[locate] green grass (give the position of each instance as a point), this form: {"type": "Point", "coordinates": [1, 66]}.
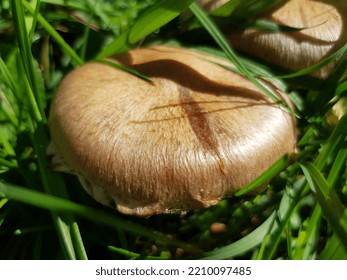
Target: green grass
{"type": "Point", "coordinates": [47, 215]}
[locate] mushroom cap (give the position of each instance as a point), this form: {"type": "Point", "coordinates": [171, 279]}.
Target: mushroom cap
{"type": "Point", "coordinates": [324, 32]}
{"type": "Point", "coordinates": [193, 136]}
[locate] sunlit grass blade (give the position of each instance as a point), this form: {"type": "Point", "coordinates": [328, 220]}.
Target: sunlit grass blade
{"type": "Point", "coordinates": [269, 26]}
{"type": "Point", "coordinates": [7, 109]}
{"type": "Point", "coordinates": [8, 164]}
{"type": "Point", "coordinates": [6, 146]}
{"type": "Point", "coordinates": [333, 144]}
{"type": "Point", "coordinates": [337, 167]}
{"type": "Point", "coordinates": [53, 184]}
{"type": "Point", "coordinates": [70, 237]}
{"type": "Point", "coordinates": [77, 241]}
{"type": "Point", "coordinates": [263, 179]}
{"type": "Point", "coordinates": [36, 101]}
{"type": "Point", "coordinates": [65, 236]}
{"type": "Point", "coordinates": [155, 17]}
{"type": "Point", "coordinates": [305, 247]}
{"type": "Point", "coordinates": [333, 250]}
{"type": "Point", "coordinates": [3, 201]}
{"type": "Point", "coordinates": [263, 245]}
{"type": "Point", "coordinates": [327, 91]}
{"type": "Point", "coordinates": [33, 25]}
{"type": "Point", "coordinates": [36, 126]}
{"type": "Point", "coordinates": [312, 230]}
{"type": "Point", "coordinates": [318, 65]}
{"type": "Point", "coordinates": [289, 201]}
{"type": "Point", "coordinates": [151, 20]}
{"type": "Point", "coordinates": [216, 34]}
{"type": "Point", "coordinates": [341, 88]}
{"type": "Point", "coordinates": [55, 35]}
{"type": "Point", "coordinates": [226, 9]}
{"type": "Point", "coordinates": [245, 244]}
{"type": "Point", "coordinates": [332, 207]}
{"type": "Point", "coordinates": [59, 205]}
{"type": "Point", "coordinates": [126, 69]}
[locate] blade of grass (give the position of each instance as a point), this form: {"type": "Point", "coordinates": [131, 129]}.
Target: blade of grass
{"type": "Point", "coordinates": [289, 242]}
{"type": "Point", "coordinates": [216, 34]}
{"type": "Point", "coordinates": [70, 236]}
{"type": "Point", "coordinates": [290, 201]}
{"type": "Point", "coordinates": [333, 145]}
{"type": "Point", "coordinates": [55, 35]}
{"type": "Point", "coordinates": [328, 90]}
{"type": "Point", "coordinates": [65, 237]}
{"type": "Point", "coordinates": [6, 145]}
{"type": "Point", "coordinates": [77, 241]}
{"type": "Point", "coordinates": [337, 167]}
{"type": "Point", "coordinates": [126, 69]}
{"type": "Point", "coordinates": [35, 101]}
{"type": "Point", "coordinates": [74, 5]}
{"type": "Point", "coordinates": [7, 76]}
{"type": "Point", "coordinates": [312, 231]}
{"type": "Point", "coordinates": [3, 201]}
{"type": "Point", "coordinates": [132, 255]}
{"type": "Point", "coordinates": [58, 204]}
{"type": "Point", "coordinates": [155, 17]}
{"type": "Point", "coordinates": [308, 237]}
{"type": "Point", "coordinates": [333, 250]}
{"type": "Point", "coordinates": [8, 164]}
{"type": "Point", "coordinates": [318, 65]}
{"type": "Point", "coordinates": [269, 26]}
{"type": "Point", "coordinates": [331, 206]}
{"type": "Point", "coordinates": [53, 184]}
{"type": "Point", "coordinates": [39, 137]}
{"type": "Point", "coordinates": [275, 169]}
{"type": "Point", "coordinates": [7, 109]}
{"type": "Point", "coordinates": [151, 20]}
{"type": "Point", "coordinates": [33, 25]}
{"type": "Point", "coordinates": [226, 9]}
{"type": "Point", "coordinates": [341, 88]}
{"type": "Point", "coordinates": [263, 246]}
{"type": "Point", "coordinates": [244, 244]}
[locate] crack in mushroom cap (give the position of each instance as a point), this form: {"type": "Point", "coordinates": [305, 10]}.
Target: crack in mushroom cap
{"type": "Point", "coordinates": [195, 135]}
{"type": "Point", "coordinates": [323, 24]}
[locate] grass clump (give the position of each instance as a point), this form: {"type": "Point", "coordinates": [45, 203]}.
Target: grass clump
{"type": "Point", "coordinates": [301, 215]}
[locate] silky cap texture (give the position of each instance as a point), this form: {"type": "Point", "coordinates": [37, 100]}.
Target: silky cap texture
{"type": "Point", "coordinates": [194, 135]}
{"type": "Point", "coordinates": [321, 31]}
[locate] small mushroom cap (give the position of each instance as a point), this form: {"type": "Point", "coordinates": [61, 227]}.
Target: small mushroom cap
{"type": "Point", "coordinates": [193, 136]}
{"type": "Point", "coordinates": [324, 31]}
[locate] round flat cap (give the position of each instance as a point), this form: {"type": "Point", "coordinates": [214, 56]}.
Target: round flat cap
{"type": "Point", "coordinates": [194, 135]}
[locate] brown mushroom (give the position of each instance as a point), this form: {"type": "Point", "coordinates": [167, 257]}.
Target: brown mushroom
{"type": "Point", "coordinates": [193, 136]}
{"type": "Point", "coordinates": [323, 24]}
